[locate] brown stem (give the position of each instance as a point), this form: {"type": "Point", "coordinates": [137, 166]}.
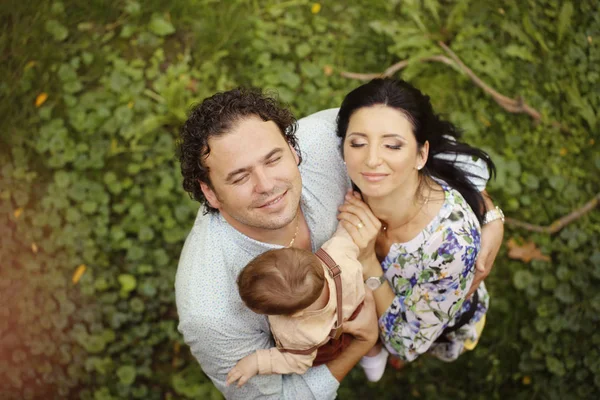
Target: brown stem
{"type": "Point", "coordinates": [393, 69]}
{"type": "Point", "coordinates": [511, 105]}
{"type": "Point", "coordinates": [559, 223]}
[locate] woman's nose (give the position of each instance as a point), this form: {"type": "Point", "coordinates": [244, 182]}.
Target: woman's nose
{"type": "Point", "coordinates": [373, 158]}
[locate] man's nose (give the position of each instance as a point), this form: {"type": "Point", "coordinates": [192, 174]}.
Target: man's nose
{"type": "Point", "coordinates": [263, 183]}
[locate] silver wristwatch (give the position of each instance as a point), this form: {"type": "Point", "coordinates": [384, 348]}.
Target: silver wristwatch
{"type": "Point", "coordinates": [374, 282]}
{"type": "Point", "coordinates": [493, 215]}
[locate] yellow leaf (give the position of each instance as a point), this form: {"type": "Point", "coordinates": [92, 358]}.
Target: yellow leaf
{"type": "Point", "coordinates": [78, 273]}
{"type": "Point", "coordinates": [501, 11]}
{"type": "Point", "coordinates": [41, 99]}
{"type": "Point", "coordinates": [30, 65]}
{"type": "Point", "coordinates": [316, 7]}
{"type": "Point", "coordinates": [589, 39]}
{"type": "Point", "coordinates": [563, 152]}
{"type": "Point", "coordinates": [130, 104]}
{"type": "Point", "coordinates": [113, 146]}
{"type": "Point", "coordinates": [18, 212]}
{"type": "Point", "coordinates": [328, 70]}
{"type": "Point", "coordinates": [34, 248]}
{"type": "Point", "coordinates": [526, 380]}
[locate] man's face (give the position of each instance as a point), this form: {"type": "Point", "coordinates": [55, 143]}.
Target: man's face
{"type": "Point", "coordinates": [254, 175]}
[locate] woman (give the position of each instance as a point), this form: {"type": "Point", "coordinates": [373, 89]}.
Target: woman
{"type": "Point", "coordinates": [419, 225]}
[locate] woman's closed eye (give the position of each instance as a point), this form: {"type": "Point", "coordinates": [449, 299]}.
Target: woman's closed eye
{"type": "Point", "coordinates": [393, 146]}
{"type": "Point", "coordinates": [357, 144]}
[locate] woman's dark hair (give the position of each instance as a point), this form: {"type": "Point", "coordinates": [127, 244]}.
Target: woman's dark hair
{"type": "Point", "coordinates": [216, 116]}
{"type": "Point", "coordinates": [427, 126]}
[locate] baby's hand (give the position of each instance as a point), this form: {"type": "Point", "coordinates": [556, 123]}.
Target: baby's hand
{"type": "Point", "coordinates": [245, 369]}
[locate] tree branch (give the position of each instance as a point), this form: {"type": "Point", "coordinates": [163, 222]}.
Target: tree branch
{"type": "Point", "coordinates": [394, 68]}
{"type": "Point", "coordinates": [511, 105]}
{"type": "Point", "coordinates": [559, 223]}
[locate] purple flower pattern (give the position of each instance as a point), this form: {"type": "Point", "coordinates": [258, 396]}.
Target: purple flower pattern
{"type": "Point", "coordinates": [431, 275]}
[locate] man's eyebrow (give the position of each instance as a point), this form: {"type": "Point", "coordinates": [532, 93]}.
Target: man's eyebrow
{"type": "Point", "coordinates": [238, 171]}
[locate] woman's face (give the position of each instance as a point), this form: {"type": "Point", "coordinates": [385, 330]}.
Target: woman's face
{"type": "Point", "coordinates": [381, 151]}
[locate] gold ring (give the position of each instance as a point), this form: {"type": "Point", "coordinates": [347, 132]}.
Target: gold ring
{"type": "Point", "coordinates": [360, 225]}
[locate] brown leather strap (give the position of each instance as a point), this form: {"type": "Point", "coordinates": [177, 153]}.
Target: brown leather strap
{"type": "Point", "coordinates": [335, 272]}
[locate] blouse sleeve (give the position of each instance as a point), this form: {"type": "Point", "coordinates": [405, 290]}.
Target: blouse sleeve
{"type": "Point", "coordinates": [427, 302]}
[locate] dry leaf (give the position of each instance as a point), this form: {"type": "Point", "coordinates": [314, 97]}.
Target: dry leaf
{"type": "Point", "coordinates": [563, 152]}
{"type": "Point", "coordinates": [18, 212]}
{"type": "Point", "coordinates": [78, 273]}
{"type": "Point", "coordinates": [525, 252]}
{"type": "Point", "coordinates": [34, 248]}
{"type": "Point", "coordinates": [41, 99]}
{"type": "Point", "coordinates": [328, 70]}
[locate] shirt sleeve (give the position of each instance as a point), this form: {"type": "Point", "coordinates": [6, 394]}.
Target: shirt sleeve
{"type": "Point", "coordinates": [218, 348]}
{"type": "Point", "coordinates": [475, 168]}
{"type": "Point", "coordinates": [273, 361]}
{"type": "Point", "coordinates": [427, 302]}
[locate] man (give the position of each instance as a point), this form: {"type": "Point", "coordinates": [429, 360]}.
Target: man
{"type": "Point", "coordinates": [262, 189]}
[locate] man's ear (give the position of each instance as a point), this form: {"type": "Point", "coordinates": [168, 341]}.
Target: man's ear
{"type": "Point", "coordinates": [295, 153]}
{"type": "Point", "coordinates": [210, 195]}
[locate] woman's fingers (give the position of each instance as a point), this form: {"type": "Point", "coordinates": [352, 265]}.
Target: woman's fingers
{"type": "Point", "coordinates": [351, 218]}
{"type": "Point", "coordinates": [362, 209]}
{"type": "Point", "coordinates": [356, 236]}
{"type": "Point", "coordinates": [360, 214]}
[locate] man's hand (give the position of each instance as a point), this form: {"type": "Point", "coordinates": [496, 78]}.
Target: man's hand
{"type": "Point", "coordinates": [245, 369]}
{"type": "Point", "coordinates": [364, 327]}
{"type": "Point", "coordinates": [491, 240]}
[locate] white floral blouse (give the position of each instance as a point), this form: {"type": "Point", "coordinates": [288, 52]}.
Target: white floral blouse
{"type": "Point", "coordinates": [431, 275]}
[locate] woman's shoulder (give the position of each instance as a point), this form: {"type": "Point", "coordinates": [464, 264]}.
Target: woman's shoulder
{"type": "Point", "coordinates": [456, 210]}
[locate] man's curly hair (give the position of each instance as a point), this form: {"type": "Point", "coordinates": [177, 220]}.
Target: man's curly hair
{"type": "Point", "coordinates": [216, 116]}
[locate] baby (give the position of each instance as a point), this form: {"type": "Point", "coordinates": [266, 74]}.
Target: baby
{"type": "Point", "coordinates": [301, 292]}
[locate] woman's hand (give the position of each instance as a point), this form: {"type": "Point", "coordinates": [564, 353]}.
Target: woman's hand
{"type": "Point", "coordinates": [362, 225]}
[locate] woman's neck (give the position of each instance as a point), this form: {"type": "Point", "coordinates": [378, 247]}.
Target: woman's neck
{"type": "Point", "coordinates": [397, 208]}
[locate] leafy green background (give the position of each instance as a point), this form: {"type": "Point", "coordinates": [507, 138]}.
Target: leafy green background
{"type": "Point", "coordinates": [88, 180]}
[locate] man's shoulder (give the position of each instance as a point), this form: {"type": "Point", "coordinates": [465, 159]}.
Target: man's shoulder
{"type": "Point", "coordinates": [201, 266]}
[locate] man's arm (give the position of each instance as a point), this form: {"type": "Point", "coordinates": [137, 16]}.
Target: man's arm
{"type": "Point", "coordinates": [365, 330]}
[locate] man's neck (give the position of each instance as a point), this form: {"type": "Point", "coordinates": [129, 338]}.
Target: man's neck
{"type": "Point", "coordinates": [282, 236]}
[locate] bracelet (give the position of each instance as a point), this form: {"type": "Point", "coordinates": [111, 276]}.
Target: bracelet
{"type": "Point", "coordinates": [493, 215]}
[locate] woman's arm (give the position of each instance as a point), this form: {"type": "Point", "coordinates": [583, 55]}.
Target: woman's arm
{"type": "Point", "coordinates": [491, 239]}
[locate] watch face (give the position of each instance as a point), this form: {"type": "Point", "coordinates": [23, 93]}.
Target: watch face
{"type": "Point", "coordinates": [373, 283]}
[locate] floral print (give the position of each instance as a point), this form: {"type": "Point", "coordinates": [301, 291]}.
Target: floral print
{"type": "Point", "coordinates": [431, 275]}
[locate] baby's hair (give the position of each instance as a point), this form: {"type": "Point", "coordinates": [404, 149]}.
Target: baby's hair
{"type": "Point", "coordinates": [282, 281]}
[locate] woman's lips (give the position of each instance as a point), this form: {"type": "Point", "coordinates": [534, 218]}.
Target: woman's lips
{"type": "Point", "coordinates": [373, 177]}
